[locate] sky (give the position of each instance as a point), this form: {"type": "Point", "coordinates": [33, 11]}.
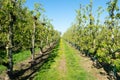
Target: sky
{"type": "Point", "coordinates": [62, 12]}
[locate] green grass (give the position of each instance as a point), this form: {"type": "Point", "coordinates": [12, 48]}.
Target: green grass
{"type": "Point", "coordinates": [2, 68]}
{"type": "Point", "coordinates": [45, 71]}
{"type": "Point", "coordinates": [74, 70]}
{"type": "Point", "coordinates": [37, 49]}
{"type": "Point", "coordinates": [2, 58]}
{"type": "Point", "coordinates": [23, 55]}
{"type": "Point", "coordinates": [18, 57]}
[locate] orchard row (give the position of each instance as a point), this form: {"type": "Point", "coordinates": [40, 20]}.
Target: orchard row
{"type": "Point", "coordinates": [23, 29]}
{"type": "Point", "coordinates": [96, 39]}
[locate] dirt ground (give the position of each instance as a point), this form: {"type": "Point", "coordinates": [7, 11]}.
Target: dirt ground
{"type": "Point", "coordinates": [88, 65]}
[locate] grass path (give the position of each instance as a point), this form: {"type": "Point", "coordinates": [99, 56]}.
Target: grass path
{"type": "Point", "coordinates": [65, 65]}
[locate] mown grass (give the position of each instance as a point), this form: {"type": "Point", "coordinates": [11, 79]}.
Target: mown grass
{"type": "Point", "coordinates": [23, 55]}
{"type": "Point", "coordinates": [50, 70]}
{"type": "Point", "coordinates": [2, 68]}
{"type": "Point", "coordinates": [2, 58]}
{"type": "Point", "coordinates": [46, 71]}
{"type": "Point", "coordinates": [75, 71]}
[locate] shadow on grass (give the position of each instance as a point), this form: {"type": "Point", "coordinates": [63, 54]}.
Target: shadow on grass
{"type": "Point", "coordinates": [41, 62]}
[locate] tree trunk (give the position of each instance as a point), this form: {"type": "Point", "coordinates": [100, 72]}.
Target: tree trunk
{"type": "Point", "coordinates": [94, 43]}
{"type": "Point", "coordinates": [47, 40]}
{"type": "Point", "coordinates": [41, 51]}
{"type": "Point", "coordinates": [33, 42]}
{"type": "Point", "coordinates": [9, 45]}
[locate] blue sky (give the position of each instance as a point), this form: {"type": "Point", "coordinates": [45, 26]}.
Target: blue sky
{"type": "Point", "coordinates": [62, 12]}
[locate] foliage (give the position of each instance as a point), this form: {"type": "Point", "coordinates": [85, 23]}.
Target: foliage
{"type": "Point", "coordinates": [94, 38]}
{"type": "Point", "coordinates": [16, 29]}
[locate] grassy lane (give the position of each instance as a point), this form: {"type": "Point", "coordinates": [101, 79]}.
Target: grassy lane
{"type": "Point", "coordinates": [75, 69]}
{"type": "Point", "coordinates": [65, 66]}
